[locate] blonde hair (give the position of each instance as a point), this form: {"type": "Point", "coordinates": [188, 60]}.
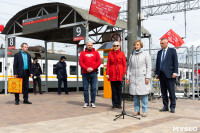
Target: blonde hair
{"type": "Point", "coordinates": [116, 42]}
{"type": "Point", "coordinates": [140, 42]}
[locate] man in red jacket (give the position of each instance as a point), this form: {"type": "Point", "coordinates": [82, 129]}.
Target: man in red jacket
{"type": "Point", "coordinates": [89, 61]}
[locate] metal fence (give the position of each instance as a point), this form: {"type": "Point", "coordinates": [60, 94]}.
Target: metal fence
{"type": "Point", "coordinates": [187, 81]}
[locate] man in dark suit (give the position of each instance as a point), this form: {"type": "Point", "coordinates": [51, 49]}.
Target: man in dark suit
{"type": "Point", "coordinates": [166, 71]}
{"type": "Point", "coordinates": [23, 69]}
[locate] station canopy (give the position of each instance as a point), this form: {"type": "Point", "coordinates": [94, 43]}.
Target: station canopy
{"type": "Point", "coordinates": [67, 17]}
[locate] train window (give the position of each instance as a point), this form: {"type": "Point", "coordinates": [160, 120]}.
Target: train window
{"type": "Point", "coordinates": [43, 68]}
{"type": "Point", "coordinates": [54, 69]}
{"type": "Point", "coordinates": [73, 70]}
{"type": "Point", "coordinates": [101, 71]}
{"type": "Point", "coordinates": [0, 66]}
{"type": "Point", "coordinates": [187, 75]}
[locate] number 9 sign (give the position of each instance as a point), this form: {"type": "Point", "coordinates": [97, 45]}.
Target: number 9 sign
{"type": "Point", "coordinates": [78, 31]}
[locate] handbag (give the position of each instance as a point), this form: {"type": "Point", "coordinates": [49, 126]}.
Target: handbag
{"type": "Point", "coordinates": [15, 85]}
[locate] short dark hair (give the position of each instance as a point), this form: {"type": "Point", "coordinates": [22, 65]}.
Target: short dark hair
{"type": "Point", "coordinates": [22, 45]}
{"type": "Point", "coordinates": [163, 39]}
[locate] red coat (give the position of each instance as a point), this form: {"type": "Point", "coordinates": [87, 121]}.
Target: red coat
{"type": "Point", "coordinates": [116, 65]}
{"type": "Point", "coordinates": [89, 59]}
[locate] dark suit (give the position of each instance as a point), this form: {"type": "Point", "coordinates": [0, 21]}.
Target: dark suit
{"type": "Point", "coordinates": [170, 66]}
{"type": "Point", "coordinates": [18, 68]}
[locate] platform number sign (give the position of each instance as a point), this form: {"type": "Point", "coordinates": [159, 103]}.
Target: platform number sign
{"type": "Point", "coordinates": [11, 43]}
{"type": "Point", "coordinates": [78, 33]}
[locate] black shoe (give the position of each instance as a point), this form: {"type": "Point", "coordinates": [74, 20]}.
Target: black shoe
{"type": "Point", "coordinates": [59, 93]}
{"type": "Point", "coordinates": [27, 102]}
{"type": "Point", "coordinates": [119, 107]}
{"type": "Point", "coordinates": [172, 110]}
{"type": "Point", "coordinates": [66, 93]}
{"type": "Point", "coordinates": [16, 102]}
{"type": "Point", "coordinates": [41, 93]}
{"type": "Point", "coordinates": [113, 107]}
{"type": "Point", "coordinates": [164, 109]}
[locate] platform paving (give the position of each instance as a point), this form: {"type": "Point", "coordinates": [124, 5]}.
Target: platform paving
{"type": "Point", "coordinates": [52, 113]}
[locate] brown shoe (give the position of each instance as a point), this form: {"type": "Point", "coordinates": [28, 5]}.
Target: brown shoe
{"type": "Point", "coordinates": [136, 113]}
{"type": "Point", "coordinates": [144, 115]}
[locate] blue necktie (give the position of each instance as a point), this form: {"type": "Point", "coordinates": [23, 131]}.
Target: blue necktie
{"type": "Point", "coordinates": [162, 61]}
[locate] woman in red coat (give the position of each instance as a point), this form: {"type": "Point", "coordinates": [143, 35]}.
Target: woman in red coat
{"type": "Point", "coordinates": [116, 68]}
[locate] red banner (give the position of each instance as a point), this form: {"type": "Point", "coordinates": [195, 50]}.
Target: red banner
{"type": "Point", "coordinates": [104, 10]}
{"type": "Point", "coordinates": [1, 28]}
{"type": "Point", "coordinates": [173, 38]}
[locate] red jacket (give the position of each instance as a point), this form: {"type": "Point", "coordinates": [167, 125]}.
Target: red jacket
{"type": "Point", "coordinates": [116, 65]}
{"type": "Point", "coordinates": [89, 59]}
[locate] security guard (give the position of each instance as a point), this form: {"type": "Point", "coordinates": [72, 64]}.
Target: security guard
{"type": "Point", "coordinates": [36, 75]}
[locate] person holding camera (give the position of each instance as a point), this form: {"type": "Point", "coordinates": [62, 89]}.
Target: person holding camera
{"type": "Point", "coordinates": [116, 69]}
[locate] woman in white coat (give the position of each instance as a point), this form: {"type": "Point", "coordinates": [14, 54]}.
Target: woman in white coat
{"type": "Point", "coordinates": [138, 77]}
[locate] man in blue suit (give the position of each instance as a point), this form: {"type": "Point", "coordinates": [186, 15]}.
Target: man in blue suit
{"type": "Point", "coordinates": [23, 69]}
{"type": "Point", "coordinates": [166, 71]}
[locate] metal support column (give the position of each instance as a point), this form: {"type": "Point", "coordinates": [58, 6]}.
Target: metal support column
{"type": "Point", "coordinates": [132, 23]}
{"type": "Point", "coordinates": [123, 41]}
{"type": "Point", "coordinates": [86, 32]}
{"type": "Point", "coordinates": [77, 74]}
{"type": "Point", "coordinates": [6, 65]}
{"type": "Point", "coordinates": [193, 92]}
{"type": "Point", "coordinates": [197, 83]}
{"type": "Point", "coordinates": [189, 72]}
{"type": "Point", "coordinates": [151, 65]}
{"type": "Point", "coordinates": [46, 67]}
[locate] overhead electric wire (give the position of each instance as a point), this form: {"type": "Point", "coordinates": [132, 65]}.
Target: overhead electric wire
{"type": "Point", "coordinates": [6, 13]}
{"type": "Point", "coordinates": [12, 3]}
{"type": "Point", "coordinates": [188, 29]}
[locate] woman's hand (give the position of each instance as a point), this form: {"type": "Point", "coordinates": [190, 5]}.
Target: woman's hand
{"type": "Point", "coordinates": [107, 76]}
{"type": "Point", "coordinates": [128, 81]}
{"type": "Point", "coordinates": [146, 81]}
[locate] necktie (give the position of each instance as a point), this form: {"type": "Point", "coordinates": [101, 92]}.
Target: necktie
{"type": "Point", "coordinates": [162, 61]}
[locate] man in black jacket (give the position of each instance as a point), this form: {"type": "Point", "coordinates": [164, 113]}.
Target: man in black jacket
{"type": "Point", "coordinates": [23, 69]}
{"type": "Point", "coordinates": [36, 75]}
{"type": "Point", "coordinates": [62, 74]}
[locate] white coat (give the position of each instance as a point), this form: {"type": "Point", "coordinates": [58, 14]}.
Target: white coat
{"type": "Point", "coordinates": [138, 70]}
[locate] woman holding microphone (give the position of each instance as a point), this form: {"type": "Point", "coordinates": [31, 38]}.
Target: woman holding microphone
{"type": "Point", "coordinates": [138, 77]}
{"type": "Point", "coordinates": [116, 69]}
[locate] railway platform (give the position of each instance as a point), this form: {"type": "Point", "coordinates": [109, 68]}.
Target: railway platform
{"type": "Point", "coordinates": [52, 113]}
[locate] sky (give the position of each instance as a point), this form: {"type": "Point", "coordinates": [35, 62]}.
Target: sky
{"type": "Point", "coordinates": [156, 25]}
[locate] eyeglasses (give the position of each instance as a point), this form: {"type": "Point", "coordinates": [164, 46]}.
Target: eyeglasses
{"type": "Point", "coordinates": [115, 45]}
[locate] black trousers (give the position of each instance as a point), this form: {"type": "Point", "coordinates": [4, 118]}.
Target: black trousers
{"type": "Point", "coordinates": [35, 82]}
{"type": "Point", "coordinates": [167, 84]}
{"type": "Point", "coordinates": [116, 87]}
{"type": "Point", "coordinates": [25, 86]}
{"type": "Point", "coordinates": [65, 85]}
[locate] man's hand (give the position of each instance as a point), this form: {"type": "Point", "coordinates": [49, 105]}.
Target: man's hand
{"type": "Point", "coordinates": [90, 69]}
{"type": "Point", "coordinates": [107, 76]}
{"type": "Point", "coordinates": [31, 75]}
{"type": "Point", "coordinates": [174, 75]}
{"type": "Point", "coordinates": [15, 76]}
{"type": "Point", "coordinates": [146, 81]}
{"type": "Point", "coordinates": [156, 76]}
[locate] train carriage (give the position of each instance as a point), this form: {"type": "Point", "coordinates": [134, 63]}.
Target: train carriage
{"type": "Point", "coordinates": [52, 58]}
